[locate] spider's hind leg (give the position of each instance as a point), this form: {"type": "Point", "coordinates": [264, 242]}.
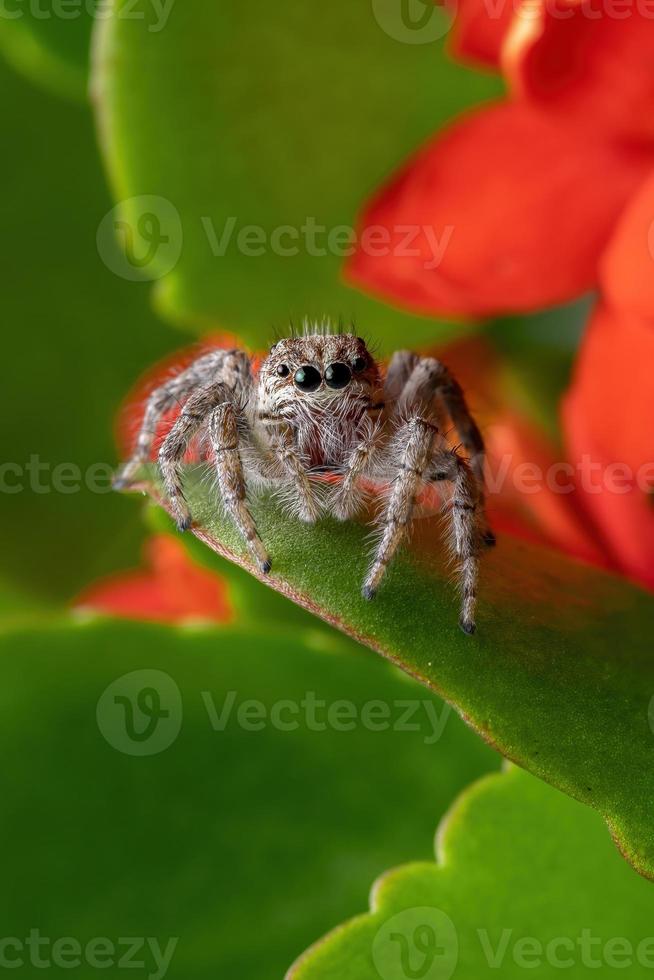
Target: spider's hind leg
{"type": "Point", "coordinates": [467, 524]}
{"type": "Point", "coordinates": [194, 414]}
{"type": "Point", "coordinates": [420, 457]}
{"type": "Point", "coordinates": [160, 401]}
{"type": "Point", "coordinates": [431, 383]}
{"type": "Point", "coordinates": [229, 366]}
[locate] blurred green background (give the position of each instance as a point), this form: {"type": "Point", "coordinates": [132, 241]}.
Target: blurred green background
{"type": "Point", "coordinates": [246, 845]}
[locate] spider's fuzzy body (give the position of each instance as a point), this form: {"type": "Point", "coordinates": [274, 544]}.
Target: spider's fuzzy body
{"type": "Point", "coordinates": [319, 404]}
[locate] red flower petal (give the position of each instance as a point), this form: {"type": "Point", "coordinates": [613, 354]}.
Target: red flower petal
{"type": "Point", "coordinates": [533, 494]}
{"type": "Point", "coordinates": [591, 59]}
{"type": "Point", "coordinates": [172, 590]}
{"type": "Point", "coordinates": [628, 264]}
{"type": "Point", "coordinates": [608, 415]}
{"type": "Point", "coordinates": [506, 211]}
{"type": "Point", "coordinates": [479, 29]}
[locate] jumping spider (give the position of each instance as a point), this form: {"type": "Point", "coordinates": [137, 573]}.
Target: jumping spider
{"type": "Point", "coordinates": [319, 404]}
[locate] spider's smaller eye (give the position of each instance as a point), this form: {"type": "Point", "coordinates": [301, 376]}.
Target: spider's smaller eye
{"type": "Point", "coordinates": [283, 370]}
{"type": "Point", "coordinates": [359, 364]}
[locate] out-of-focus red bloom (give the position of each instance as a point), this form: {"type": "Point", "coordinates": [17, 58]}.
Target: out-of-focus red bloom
{"type": "Point", "coordinates": [171, 589]}
{"type": "Point", "coordinates": [627, 267]}
{"type": "Point", "coordinates": [520, 210]}
{"type": "Point", "coordinates": [477, 37]}
{"type": "Point", "coordinates": [608, 414]}
{"type": "Point", "coordinates": [536, 200]}
{"type": "Point", "coordinates": [526, 193]}
{"type": "Point", "coordinates": [587, 61]}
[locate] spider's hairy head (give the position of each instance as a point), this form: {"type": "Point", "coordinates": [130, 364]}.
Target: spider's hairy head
{"type": "Point", "coordinates": [318, 374]}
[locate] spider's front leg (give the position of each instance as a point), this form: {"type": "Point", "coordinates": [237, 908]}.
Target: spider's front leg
{"type": "Point", "coordinates": [223, 432]}
{"type": "Point", "coordinates": [411, 452]}
{"type": "Point", "coordinates": [468, 524]}
{"type": "Point", "coordinates": [285, 453]}
{"type": "Point", "coordinates": [348, 496]}
{"type": "Point", "coordinates": [419, 461]}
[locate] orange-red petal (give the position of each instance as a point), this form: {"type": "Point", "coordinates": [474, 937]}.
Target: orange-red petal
{"type": "Point", "coordinates": [534, 494]}
{"type": "Point", "coordinates": [627, 270]}
{"type": "Point", "coordinates": [589, 60]}
{"type": "Point", "coordinates": [505, 211]}
{"type": "Point", "coordinates": [172, 589]}
{"type": "Point", "coordinates": [479, 30]}
{"type": "Point", "coordinates": [607, 416]}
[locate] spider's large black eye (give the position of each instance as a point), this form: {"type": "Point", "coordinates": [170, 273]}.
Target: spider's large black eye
{"type": "Point", "coordinates": [359, 364]}
{"type": "Point", "coordinates": [283, 370]}
{"type": "Point", "coordinates": [338, 375]}
{"type": "Point", "coordinates": [307, 378]}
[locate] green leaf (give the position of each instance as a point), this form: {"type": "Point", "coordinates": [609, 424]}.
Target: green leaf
{"type": "Point", "coordinates": [244, 842]}
{"type": "Point", "coordinates": [76, 337]}
{"type": "Point", "coordinates": [48, 41]}
{"type": "Point", "coordinates": [525, 881]}
{"type": "Point", "coordinates": [558, 677]}
{"type": "Point", "coordinates": [254, 115]}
